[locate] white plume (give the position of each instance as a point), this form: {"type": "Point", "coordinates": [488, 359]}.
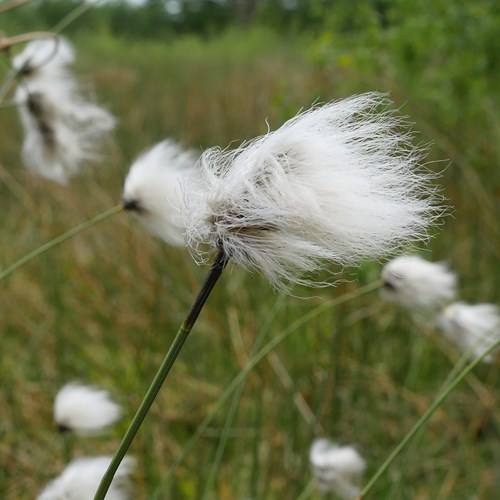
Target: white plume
{"type": "Point", "coordinates": [336, 183]}
{"type": "Point", "coordinates": [81, 478]}
{"type": "Point", "coordinates": [62, 129]}
{"type": "Point", "coordinates": [44, 57]}
{"type": "Point", "coordinates": [84, 410]}
{"type": "Point", "coordinates": [421, 286]}
{"type": "Point", "coordinates": [472, 328]}
{"type": "Point", "coordinates": [336, 468]}
{"type": "Point", "coordinates": [153, 189]}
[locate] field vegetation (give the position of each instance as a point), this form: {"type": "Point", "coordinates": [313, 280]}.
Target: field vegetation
{"type": "Point", "coordinates": [103, 307]}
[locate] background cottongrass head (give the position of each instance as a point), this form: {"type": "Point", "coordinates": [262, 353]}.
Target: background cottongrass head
{"type": "Point", "coordinates": [338, 183]}
{"type": "Point", "coordinates": [81, 478]}
{"type": "Point", "coordinates": [153, 189]}
{"type": "Point", "coordinates": [336, 468]}
{"type": "Point", "coordinates": [418, 284]}
{"type": "Point", "coordinates": [44, 57]}
{"type": "Point", "coordinates": [472, 328]}
{"type": "Point", "coordinates": [62, 128]}
{"type": "Point", "coordinates": [85, 410]}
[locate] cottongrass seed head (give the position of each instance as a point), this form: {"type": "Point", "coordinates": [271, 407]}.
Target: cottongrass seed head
{"type": "Point", "coordinates": [337, 183]}
{"type": "Point", "coordinates": [472, 328]}
{"type": "Point", "coordinates": [85, 410]}
{"type": "Point", "coordinates": [336, 468]}
{"type": "Point", "coordinates": [62, 129]}
{"type": "Point", "coordinates": [421, 286]}
{"type": "Point", "coordinates": [81, 478]}
{"type": "Point", "coordinates": [153, 189]}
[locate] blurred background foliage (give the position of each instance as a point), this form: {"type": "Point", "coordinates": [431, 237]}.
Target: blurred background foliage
{"type": "Point", "coordinates": [103, 307]}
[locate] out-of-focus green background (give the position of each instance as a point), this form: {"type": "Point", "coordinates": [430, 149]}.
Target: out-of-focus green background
{"type": "Point", "coordinates": [104, 307]}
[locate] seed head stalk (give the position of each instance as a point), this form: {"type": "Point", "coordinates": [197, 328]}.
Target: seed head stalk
{"type": "Point", "coordinates": [215, 272]}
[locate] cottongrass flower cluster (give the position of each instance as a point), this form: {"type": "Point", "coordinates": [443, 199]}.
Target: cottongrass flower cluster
{"type": "Point", "coordinates": [153, 189]}
{"type": "Point", "coordinates": [62, 129]}
{"type": "Point", "coordinates": [85, 410]}
{"type": "Point", "coordinates": [81, 478]}
{"type": "Point", "coordinates": [427, 290]}
{"type": "Point", "coordinates": [336, 468]}
{"type": "Point", "coordinates": [337, 183]}
{"type": "Point", "coordinates": [473, 328]}
{"type": "Point", "coordinates": [419, 285]}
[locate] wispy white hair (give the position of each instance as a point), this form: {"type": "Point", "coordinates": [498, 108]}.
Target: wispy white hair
{"type": "Point", "coordinates": [420, 285]}
{"type": "Point", "coordinates": [62, 128]}
{"type": "Point", "coordinates": [336, 468]}
{"type": "Point", "coordinates": [472, 328]}
{"type": "Point", "coordinates": [338, 183]}
{"type": "Point", "coordinates": [153, 189]}
{"type": "Point", "coordinates": [84, 409]}
{"type": "Point", "coordinates": [81, 478]}
{"type": "Point", "coordinates": [45, 56]}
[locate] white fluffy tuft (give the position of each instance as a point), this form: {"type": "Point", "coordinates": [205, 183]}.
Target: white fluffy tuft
{"type": "Point", "coordinates": [85, 410]}
{"type": "Point", "coordinates": [338, 183]}
{"type": "Point", "coordinates": [472, 328]}
{"type": "Point", "coordinates": [154, 189]}
{"type": "Point", "coordinates": [62, 129]}
{"type": "Point", "coordinates": [45, 56]}
{"type": "Point", "coordinates": [422, 286]}
{"type": "Point", "coordinates": [336, 468]}
{"type": "Point", "coordinates": [81, 478]}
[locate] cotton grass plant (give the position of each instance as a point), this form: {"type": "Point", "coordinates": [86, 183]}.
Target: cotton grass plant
{"type": "Point", "coordinates": [472, 328]}
{"type": "Point", "coordinates": [336, 468]}
{"type": "Point", "coordinates": [62, 129]}
{"type": "Point", "coordinates": [80, 479]}
{"type": "Point", "coordinates": [336, 184]}
{"type": "Point", "coordinates": [263, 207]}
{"type": "Point", "coordinates": [84, 410]}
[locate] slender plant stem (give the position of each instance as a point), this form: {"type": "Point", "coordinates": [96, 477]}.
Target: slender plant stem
{"type": "Point", "coordinates": [181, 337]}
{"type": "Point", "coordinates": [63, 237]}
{"type": "Point", "coordinates": [73, 15]}
{"type": "Point", "coordinates": [295, 326]}
{"type": "Point", "coordinates": [12, 4]}
{"type": "Point", "coordinates": [6, 43]}
{"type": "Point", "coordinates": [424, 418]}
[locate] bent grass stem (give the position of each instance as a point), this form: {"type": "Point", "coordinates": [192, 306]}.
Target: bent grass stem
{"type": "Point", "coordinates": [425, 417]}
{"type": "Point", "coordinates": [59, 239]}
{"type": "Point", "coordinates": [215, 272]}
{"type": "Point", "coordinates": [240, 378]}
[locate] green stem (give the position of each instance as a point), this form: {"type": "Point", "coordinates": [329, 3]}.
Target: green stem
{"type": "Point", "coordinates": [269, 347]}
{"type": "Point", "coordinates": [63, 237]}
{"type": "Point", "coordinates": [183, 333]}
{"type": "Point", "coordinates": [73, 15]}
{"type": "Point", "coordinates": [425, 417]}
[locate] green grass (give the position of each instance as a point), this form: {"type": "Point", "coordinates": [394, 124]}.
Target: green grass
{"type": "Point", "coordinates": [104, 307]}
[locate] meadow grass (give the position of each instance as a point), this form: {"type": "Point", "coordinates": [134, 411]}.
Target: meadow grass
{"type": "Point", "coordinates": [103, 307]}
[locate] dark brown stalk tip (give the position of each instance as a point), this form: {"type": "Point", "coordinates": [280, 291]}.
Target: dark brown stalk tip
{"type": "Point", "coordinates": [132, 205]}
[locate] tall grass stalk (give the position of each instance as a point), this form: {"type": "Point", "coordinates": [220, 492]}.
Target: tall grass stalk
{"type": "Point", "coordinates": [73, 15]}
{"type": "Point", "coordinates": [424, 418]}
{"type": "Point", "coordinates": [213, 276]}
{"type": "Point", "coordinates": [60, 239]}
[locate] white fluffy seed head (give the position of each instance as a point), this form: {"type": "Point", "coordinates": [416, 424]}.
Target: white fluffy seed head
{"type": "Point", "coordinates": [337, 183]}
{"type": "Point", "coordinates": [81, 478]}
{"type": "Point", "coordinates": [336, 468]}
{"type": "Point", "coordinates": [44, 57]}
{"type": "Point", "coordinates": [85, 410]}
{"type": "Point", "coordinates": [62, 129]}
{"type": "Point", "coordinates": [421, 286]}
{"type": "Point", "coordinates": [153, 189]}
{"type": "Point", "coordinates": [472, 328]}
